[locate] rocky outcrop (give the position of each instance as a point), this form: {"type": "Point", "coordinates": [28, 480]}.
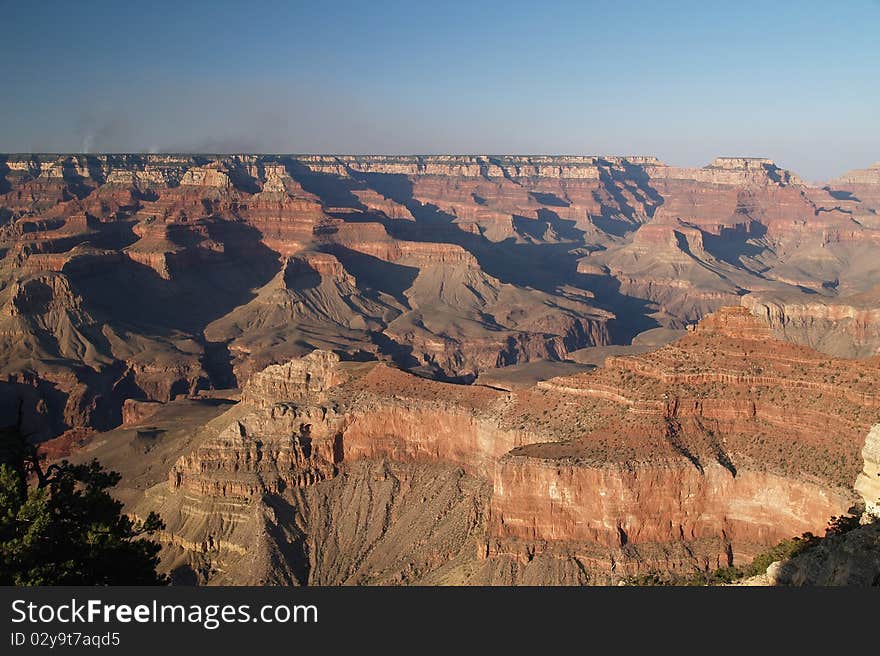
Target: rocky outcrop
{"type": "Point", "coordinates": [264, 453]}
{"type": "Point", "coordinates": [307, 378]}
{"type": "Point", "coordinates": [851, 559]}
{"type": "Point", "coordinates": [868, 481]}
{"type": "Point", "coordinates": [71, 368]}
{"type": "Point", "coordinates": [136, 412]}
{"type": "Point", "coordinates": [734, 322]}
{"type": "Point", "coordinates": [731, 171]}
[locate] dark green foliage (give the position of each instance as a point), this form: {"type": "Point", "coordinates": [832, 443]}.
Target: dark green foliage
{"type": "Point", "coordinates": [61, 527]}
{"type": "Point", "coordinates": [842, 524]}
{"type": "Point", "coordinates": [699, 577]}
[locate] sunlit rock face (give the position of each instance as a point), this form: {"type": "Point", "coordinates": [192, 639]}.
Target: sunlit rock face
{"type": "Point", "coordinates": [702, 453]}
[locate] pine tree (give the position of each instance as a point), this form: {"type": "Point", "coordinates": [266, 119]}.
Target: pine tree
{"type": "Point", "coordinates": [60, 526]}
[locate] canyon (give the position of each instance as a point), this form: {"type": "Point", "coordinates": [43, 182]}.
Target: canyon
{"type": "Point", "coordinates": [445, 369]}
{"type": "Point", "coordinates": [695, 456]}
{"type": "Point", "coordinates": [150, 276]}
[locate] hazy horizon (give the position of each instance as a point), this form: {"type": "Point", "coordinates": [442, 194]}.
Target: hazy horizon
{"type": "Point", "coordinates": [232, 153]}
{"type": "Point", "coordinates": [681, 81]}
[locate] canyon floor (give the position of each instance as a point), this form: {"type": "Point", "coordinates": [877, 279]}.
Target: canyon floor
{"type": "Point", "coordinates": [447, 369]}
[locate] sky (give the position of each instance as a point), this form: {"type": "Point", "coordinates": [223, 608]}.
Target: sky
{"type": "Point", "coordinates": [686, 81]}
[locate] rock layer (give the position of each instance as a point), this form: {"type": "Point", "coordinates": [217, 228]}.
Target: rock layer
{"type": "Point", "coordinates": [700, 454]}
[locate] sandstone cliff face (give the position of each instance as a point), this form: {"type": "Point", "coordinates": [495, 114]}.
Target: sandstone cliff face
{"type": "Point", "coordinates": [587, 478]}
{"type": "Point", "coordinates": [731, 171]}
{"type": "Point", "coordinates": [650, 505]}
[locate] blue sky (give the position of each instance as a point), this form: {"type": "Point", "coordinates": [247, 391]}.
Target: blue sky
{"type": "Point", "coordinates": [686, 81]}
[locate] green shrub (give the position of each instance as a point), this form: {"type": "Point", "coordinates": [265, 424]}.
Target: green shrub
{"type": "Point", "coordinates": [59, 526]}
